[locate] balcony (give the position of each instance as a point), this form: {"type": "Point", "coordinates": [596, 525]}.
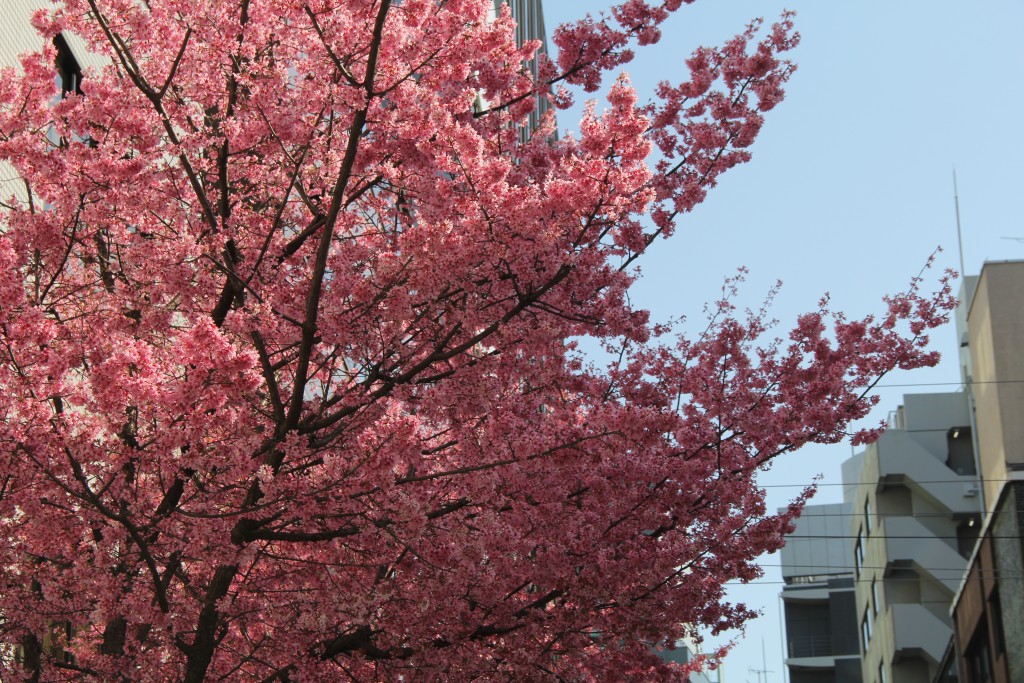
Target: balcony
{"type": "Point", "coordinates": [909, 541]}
{"type": "Point", "coordinates": [817, 645]}
{"type": "Point", "coordinates": [919, 633]}
{"type": "Point", "coordinates": [903, 460]}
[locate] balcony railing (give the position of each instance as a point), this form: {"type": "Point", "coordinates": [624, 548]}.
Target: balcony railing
{"type": "Point", "coordinates": [818, 645]}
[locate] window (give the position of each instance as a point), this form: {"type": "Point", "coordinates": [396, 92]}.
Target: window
{"type": "Point", "coordinates": [995, 611]}
{"type": "Point", "coordinates": [865, 629]}
{"type": "Point", "coordinates": [881, 673]}
{"type": "Point", "coordinates": [69, 73]}
{"type": "Point", "coordinates": [874, 597]}
{"type": "Point", "coordinates": [979, 659]}
{"type": "Point", "coordinates": [867, 516]}
{"type": "Point", "coordinates": [960, 446]}
{"type": "Point", "coordinates": [858, 555]}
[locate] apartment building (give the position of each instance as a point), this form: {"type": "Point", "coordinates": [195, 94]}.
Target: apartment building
{"type": "Point", "coordinates": [916, 518]}
{"type": "Point", "coordinates": [989, 600]}
{"type": "Point", "coordinates": [937, 514]}
{"type": "Point", "coordinates": [819, 604]}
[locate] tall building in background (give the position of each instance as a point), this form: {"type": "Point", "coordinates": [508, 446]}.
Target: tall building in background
{"type": "Point", "coordinates": [819, 604]}
{"type": "Point", "coordinates": [18, 37]}
{"type": "Point", "coordinates": [529, 16]}
{"type": "Point", "coordinates": [685, 651]}
{"type": "Point", "coordinates": [989, 602]}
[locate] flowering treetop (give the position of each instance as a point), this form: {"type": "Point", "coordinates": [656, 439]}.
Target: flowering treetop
{"type": "Point", "coordinates": [286, 387]}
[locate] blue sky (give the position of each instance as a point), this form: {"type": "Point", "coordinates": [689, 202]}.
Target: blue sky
{"type": "Point", "coordinates": [850, 188]}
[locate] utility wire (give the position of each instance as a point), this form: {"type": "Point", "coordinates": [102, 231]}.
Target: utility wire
{"type": "Point", "coordinates": [849, 569]}
{"type": "Point", "coordinates": [817, 585]}
{"type": "Point", "coordinates": [865, 537]}
{"type": "Point", "coordinates": [892, 483]}
{"type": "Point", "coordinates": [949, 384]}
{"type": "Point", "coordinates": [880, 515]}
{"type": "Point", "coordinates": [972, 382]}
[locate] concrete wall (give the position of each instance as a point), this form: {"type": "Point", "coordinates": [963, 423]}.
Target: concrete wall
{"type": "Point", "coordinates": [821, 627]}
{"type": "Point", "coordinates": [996, 329]}
{"type": "Point", "coordinates": [16, 37]}
{"type": "Point", "coordinates": [1008, 551]}
{"type": "Point", "coordinates": [818, 544]}
{"type": "Point", "coordinates": [848, 671]}
{"type": "Point", "coordinates": [911, 544]}
{"type": "Point", "coordinates": [842, 607]}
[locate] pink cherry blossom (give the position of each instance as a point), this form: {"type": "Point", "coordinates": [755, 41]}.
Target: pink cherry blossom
{"type": "Point", "coordinates": [288, 385]}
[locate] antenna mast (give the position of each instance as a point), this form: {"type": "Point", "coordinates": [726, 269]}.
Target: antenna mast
{"type": "Point", "coordinates": [764, 663]}
{"type": "Point", "coordinates": [959, 234]}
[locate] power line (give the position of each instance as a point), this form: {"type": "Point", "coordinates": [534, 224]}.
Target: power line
{"type": "Point", "coordinates": [908, 537]}
{"type": "Point", "coordinates": [818, 584]}
{"type": "Point", "coordinates": [822, 585]}
{"type": "Point", "coordinates": [948, 384]}
{"type": "Point", "coordinates": [849, 569]}
{"type": "Point", "coordinates": [893, 483]}
{"type": "Point", "coordinates": [880, 515]}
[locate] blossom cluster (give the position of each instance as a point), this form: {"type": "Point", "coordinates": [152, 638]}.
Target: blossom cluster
{"type": "Point", "coordinates": [288, 386]}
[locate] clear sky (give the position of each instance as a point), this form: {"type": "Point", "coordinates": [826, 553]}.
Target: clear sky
{"type": "Point", "coordinates": [850, 188]}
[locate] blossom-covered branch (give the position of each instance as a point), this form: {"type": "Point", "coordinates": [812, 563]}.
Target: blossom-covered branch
{"type": "Point", "coordinates": [288, 385]}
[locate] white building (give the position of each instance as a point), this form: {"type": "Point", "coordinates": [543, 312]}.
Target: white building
{"type": "Point", "coordinates": [915, 520]}
{"type": "Point", "coordinates": [18, 37]}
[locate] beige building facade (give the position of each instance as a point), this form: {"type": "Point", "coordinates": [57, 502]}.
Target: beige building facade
{"type": "Point", "coordinates": [989, 601]}
{"type": "Point", "coordinates": [938, 510]}
{"type": "Point", "coordinates": [916, 516]}
{"type": "Point", "coordinates": [995, 323]}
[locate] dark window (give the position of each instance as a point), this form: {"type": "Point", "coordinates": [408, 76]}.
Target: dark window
{"type": "Point", "coordinates": [68, 70]}
{"type": "Point", "coordinates": [858, 555]}
{"type": "Point", "coordinates": [967, 535]}
{"type": "Point", "coordinates": [979, 659]}
{"type": "Point", "coordinates": [865, 629]}
{"type": "Point", "coordinates": [995, 611]}
{"type": "Point", "coordinates": [960, 453]}
{"type": "Point", "coordinates": [948, 667]}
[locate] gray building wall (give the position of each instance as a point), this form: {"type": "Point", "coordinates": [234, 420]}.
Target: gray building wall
{"type": "Point", "coordinates": [529, 16]}
{"type": "Point", "coordinates": [17, 37]}
{"type": "Point", "coordinates": [843, 615]}
{"type": "Point", "coordinates": [818, 545]}
{"type": "Point", "coordinates": [1008, 549]}
{"type": "Point", "coordinates": [848, 671]}
{"type": "Point", "coordinates": [818, 599]}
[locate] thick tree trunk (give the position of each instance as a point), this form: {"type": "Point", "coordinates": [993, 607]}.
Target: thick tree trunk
{"type": "Point", "coordinates": [201, 653]}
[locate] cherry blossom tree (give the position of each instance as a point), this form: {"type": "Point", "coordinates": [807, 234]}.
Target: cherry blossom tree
{"type": "Point", "coordinates": [289, 387]}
